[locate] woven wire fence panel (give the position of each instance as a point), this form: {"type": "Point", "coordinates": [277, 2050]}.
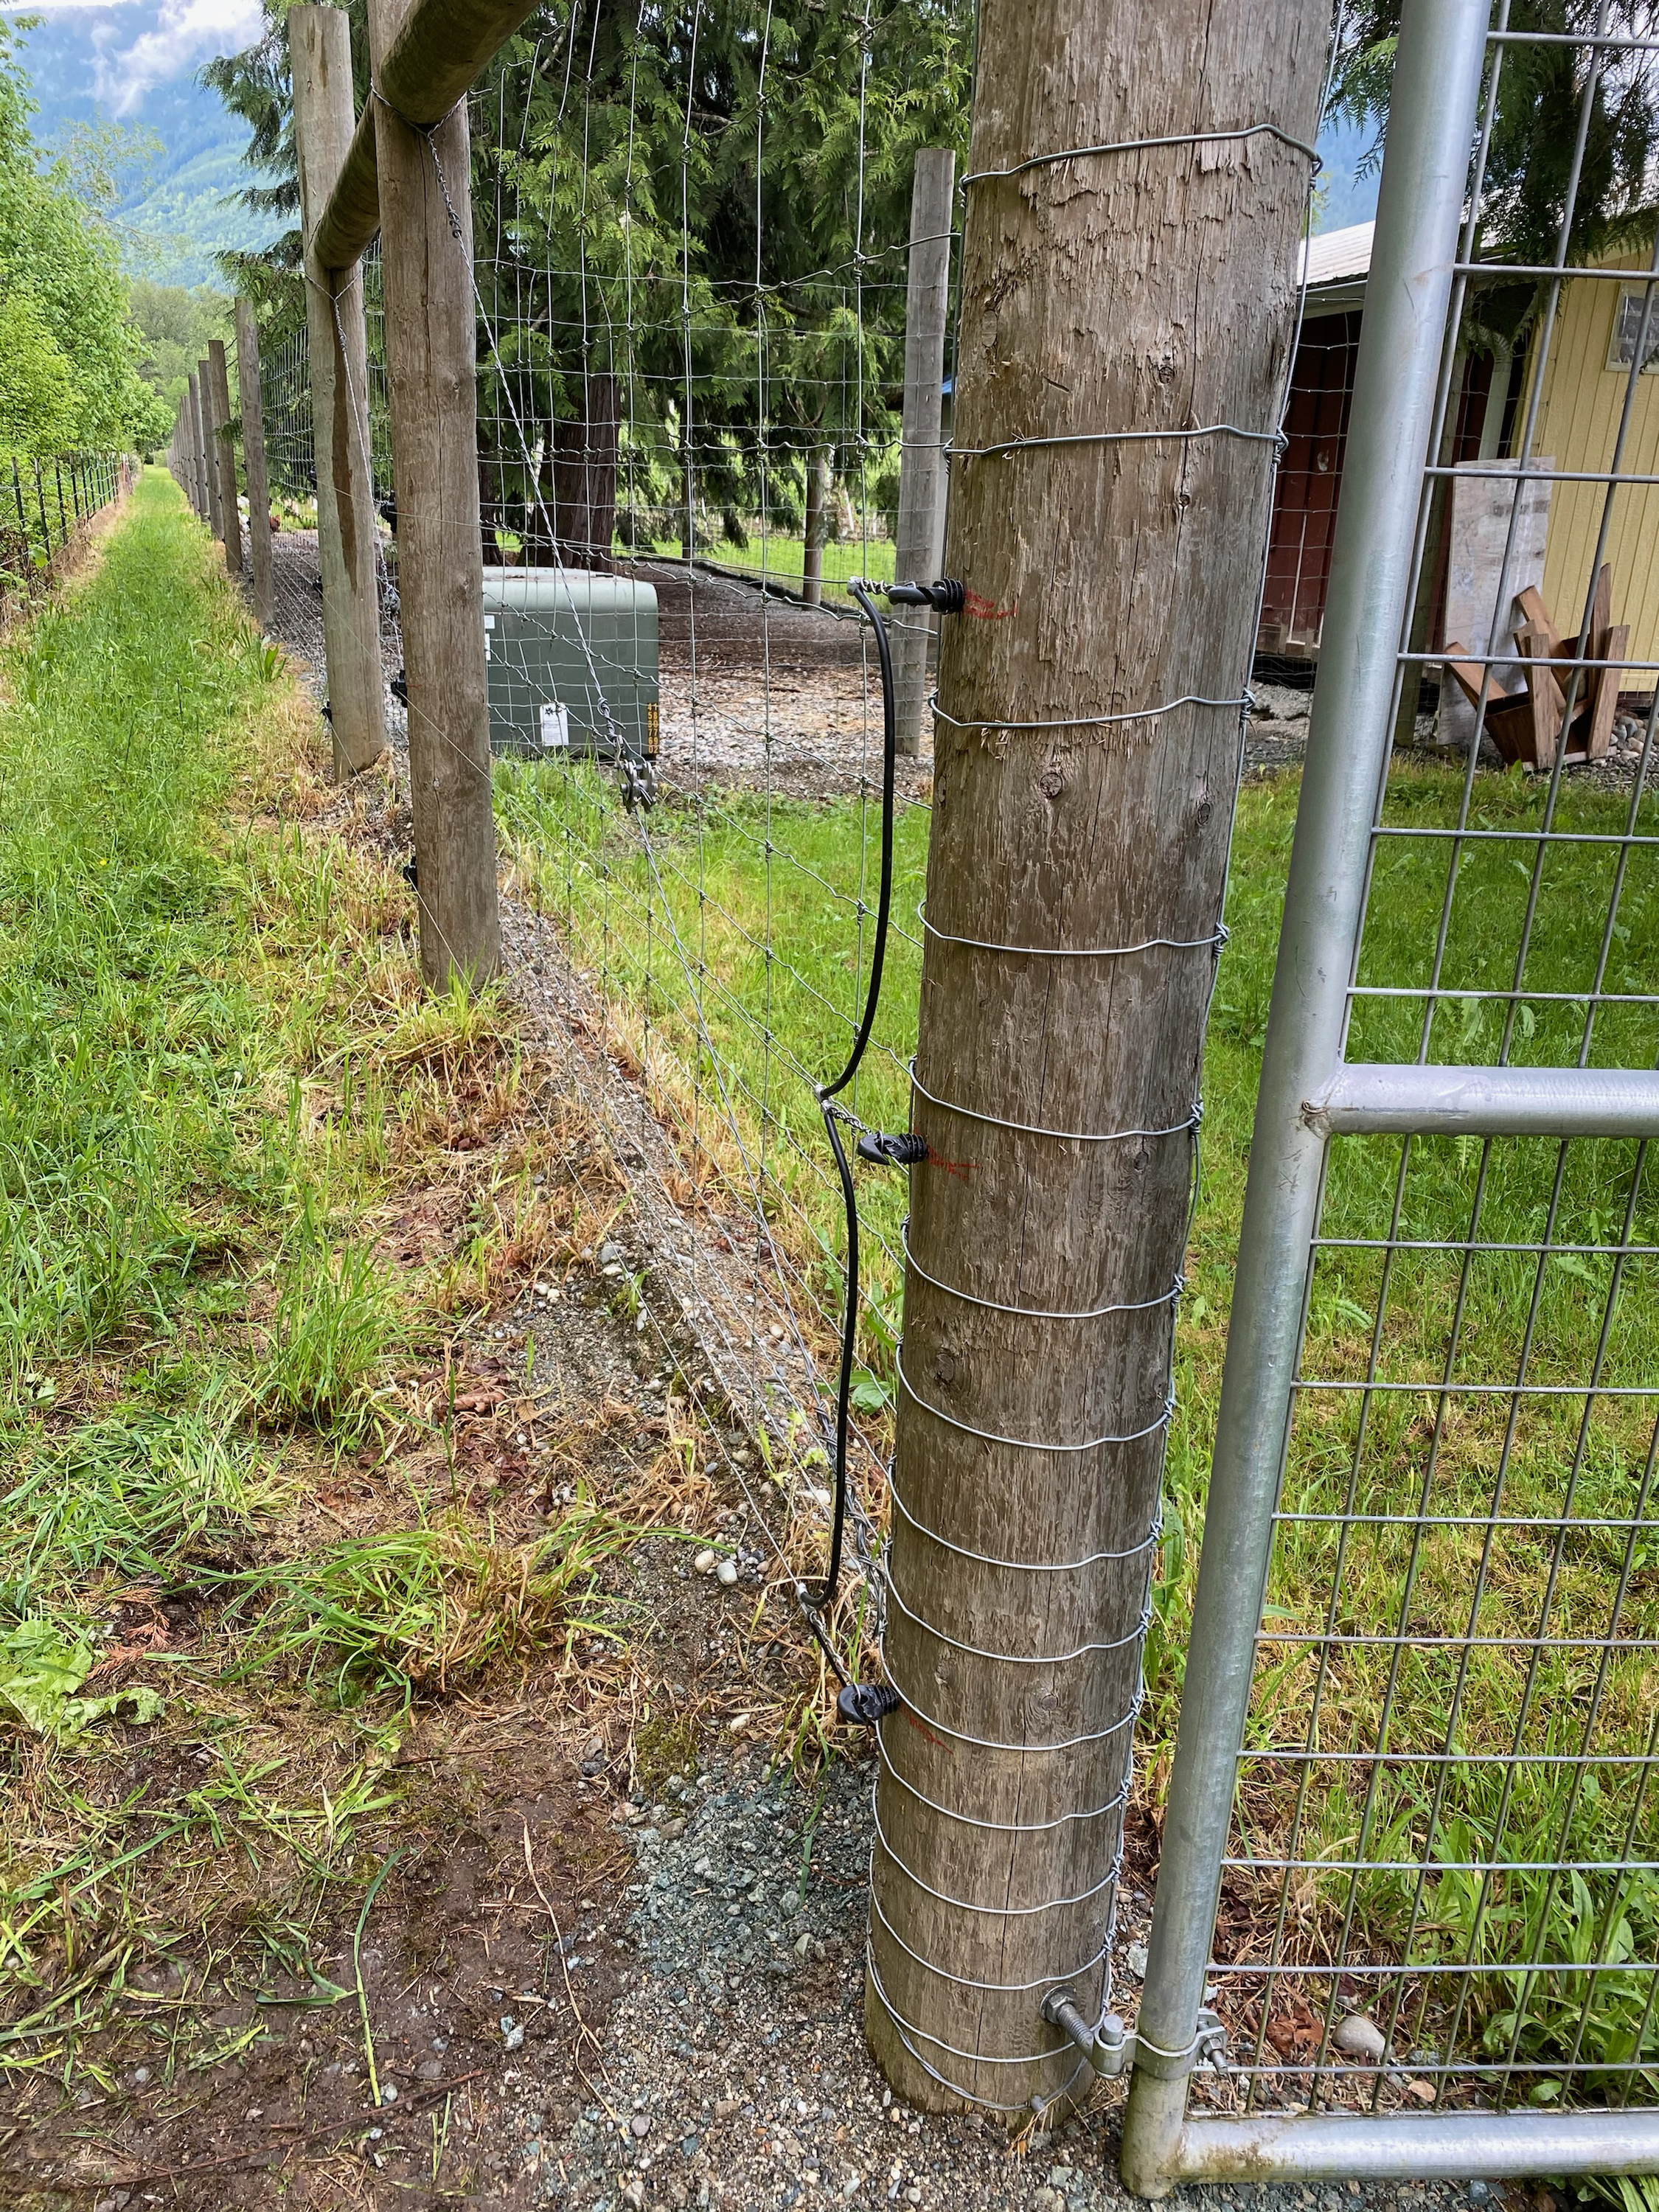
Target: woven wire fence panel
{"type": "Point", "coordinates": [1443, 1889]}
{"type": "Point", "coordinates": [43, 503]}
{"type": "Point", "coordinates": [690, 331]}
{"type": "Point", "coordinates": [690, 346]}
{"type": "Point", "coordinates": [291, 466]}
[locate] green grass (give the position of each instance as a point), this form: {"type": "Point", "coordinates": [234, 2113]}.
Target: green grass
{"type": "Point", "coordinates": [775, 554]}
{"type": "Point", "coordinates": [752, 908]}
{"type": "Point", "coordinates": [188, 1297]}
{"type": "Point", "coordinates": [218, 1067]}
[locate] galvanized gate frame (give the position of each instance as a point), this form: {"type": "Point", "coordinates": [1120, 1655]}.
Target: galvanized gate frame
{"type": "Point", "coordinates": [1308, 1093]}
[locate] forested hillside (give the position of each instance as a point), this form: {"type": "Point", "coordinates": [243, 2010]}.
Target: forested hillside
{"type": "Point", "coordinates": [68, 354]}
{"type": "Point", "coordinates": [178, 168]}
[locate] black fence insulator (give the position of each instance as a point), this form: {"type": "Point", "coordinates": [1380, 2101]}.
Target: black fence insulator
{"type": "Point", "coordinates": [412, 875]}
{"type": "Point", "coordinates": [328, 712]}
{"type": "Point", "coordinates": [905, 1150]}
{"type": "Point", "coordinates": [399, 687]}
{"type": "Point", "coordinates": [864, 1703]}
{"type": "Point", "coordinates": [317, 585]}
{"type": "Point", "coordinates": [946, 597]}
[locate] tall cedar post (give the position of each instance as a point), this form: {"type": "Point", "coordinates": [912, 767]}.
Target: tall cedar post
{"type": "Point", "coordinates": [210, 421]}
{"type": "Point", "coordinates": [252, 400]}
{"type": "Point", "coordinates": [320, 51]}
{"type": "Point", "coordinates": [225, 458]}
{"type": "Point", "coordinates": [198, 470]}
{"type": "Point", "coordinates": [425, 267]}
{"type": "Point", "coordinates": [1085, 766]}
{"type": "Point", "coordinates": [919, 543]}
{"type": "Point", "coordinates": [188, 412]}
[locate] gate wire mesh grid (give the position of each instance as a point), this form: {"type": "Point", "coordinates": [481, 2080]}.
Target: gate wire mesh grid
{"type": "Point", "coordinates": [1447, 1818]}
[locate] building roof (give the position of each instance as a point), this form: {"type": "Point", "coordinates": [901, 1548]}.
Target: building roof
{"type": "Point", "coordinates": [1339, 257]}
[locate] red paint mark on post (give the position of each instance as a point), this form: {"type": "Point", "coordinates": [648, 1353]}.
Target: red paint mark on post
{"type": "Point", "coordinates": [984, 610]}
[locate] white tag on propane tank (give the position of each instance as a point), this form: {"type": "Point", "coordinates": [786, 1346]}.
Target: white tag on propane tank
{"type": "Point", "coordinates": [556, 726]}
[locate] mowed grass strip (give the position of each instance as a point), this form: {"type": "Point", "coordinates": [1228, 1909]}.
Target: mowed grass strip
{"type": "Point", "coordinates": [220, 1084]}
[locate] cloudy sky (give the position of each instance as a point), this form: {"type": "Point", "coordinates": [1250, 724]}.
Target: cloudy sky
{"type": "Point", "coordinates": [132, 46]}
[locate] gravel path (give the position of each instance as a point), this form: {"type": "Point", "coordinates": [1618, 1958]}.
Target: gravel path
{"type": "Point", "coordinates": [735, 2073]}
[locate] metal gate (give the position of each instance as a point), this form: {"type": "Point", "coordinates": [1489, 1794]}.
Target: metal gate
{"type": "Point", "coordinates": [1411, 1854]}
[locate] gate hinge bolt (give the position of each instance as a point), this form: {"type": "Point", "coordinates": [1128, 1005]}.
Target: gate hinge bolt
{"type": "Point", "coordinates": [1112, 2048]}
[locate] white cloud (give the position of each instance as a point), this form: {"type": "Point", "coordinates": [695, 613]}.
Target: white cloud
{"type": "Point", "coordinates": [180, 35]}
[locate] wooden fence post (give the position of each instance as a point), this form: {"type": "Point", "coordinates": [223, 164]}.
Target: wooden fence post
{"type": "Point", "coordinates": [251, 399]}
{"type": "Point", "coordinates": [198, 449]}
{"type": "Point", "coordinates": [225, 458]}
{"type": "Point", "coordinates": [348, 529]}
{"type": "Point", "coordinates": [426, 269]}
{"type": "Point", "coordinates": [1116, 304]}
{"type": "Point", "coordinates": [193, 489]}
{"type": "Point", "coordinates": [211, 426]}
{"type": "Point", "coordinates": [920, 540]}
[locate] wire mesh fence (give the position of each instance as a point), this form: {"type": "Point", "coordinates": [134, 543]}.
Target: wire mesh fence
{"type": "Point", "coordinates": [686, 452]}
{"type": "Point", "coordinates": [1442, 1890]}
{"type": "Point", "coordinates": [43, 502]}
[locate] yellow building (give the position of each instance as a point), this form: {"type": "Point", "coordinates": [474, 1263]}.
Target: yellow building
{"type": "Point", "coordinates": [1585, 382]}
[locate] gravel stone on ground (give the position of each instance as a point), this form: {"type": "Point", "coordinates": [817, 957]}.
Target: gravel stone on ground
{"type": "Point", "coordinates": [735, 2072]}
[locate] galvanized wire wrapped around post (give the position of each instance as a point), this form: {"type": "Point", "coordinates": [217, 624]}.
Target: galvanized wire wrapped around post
{"type": "Point", "coordinates": [1087, 743]}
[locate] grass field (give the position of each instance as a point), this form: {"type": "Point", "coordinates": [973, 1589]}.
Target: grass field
{"type": "Point", "coordinates": [751, 907]}
{"type": "Point", "coordinates": [772, 553]}
{"type": "Point", "coordinates": [245, 1527]}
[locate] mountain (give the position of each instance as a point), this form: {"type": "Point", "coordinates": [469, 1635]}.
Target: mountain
{"type": "Point", "coordinates": [105, 64]}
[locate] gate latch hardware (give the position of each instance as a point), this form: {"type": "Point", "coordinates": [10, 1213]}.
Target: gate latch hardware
{"type": "Point", "coordinates": [1112, 2048]}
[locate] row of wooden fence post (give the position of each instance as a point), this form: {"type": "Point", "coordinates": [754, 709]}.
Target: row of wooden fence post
{"type": "Point", "coordinates": [202, 456]}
